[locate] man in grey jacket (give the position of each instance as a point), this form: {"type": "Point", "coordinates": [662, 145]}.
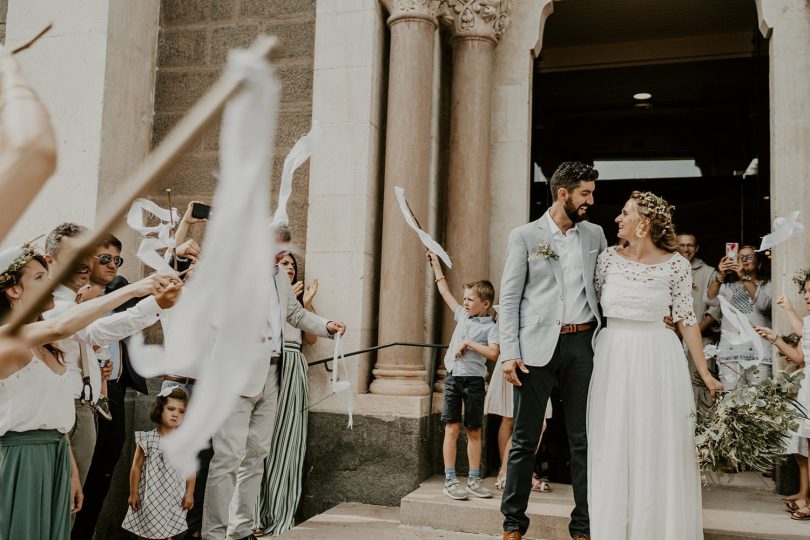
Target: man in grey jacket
{"type": "Point", "coordinates": [548, 323]}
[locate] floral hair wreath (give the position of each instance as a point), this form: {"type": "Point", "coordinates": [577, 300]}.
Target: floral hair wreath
{"type": "Point", "coordinates": [658, 207]}
{"type": "Point", "coordinates": [802, 277]}
{"type": "Point", "coordinates": [7, 277]}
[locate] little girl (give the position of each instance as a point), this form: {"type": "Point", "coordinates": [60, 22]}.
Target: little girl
{"type": "Point", "coordinates": [158, 497]}
{"type": "Point", "coordinates": [798, 504]}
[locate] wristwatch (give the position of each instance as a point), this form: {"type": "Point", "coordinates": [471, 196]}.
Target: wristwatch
{"type": "Point", "coordinates": [717, 278]}
{"type": "Point", "coordinates": [746, 278]}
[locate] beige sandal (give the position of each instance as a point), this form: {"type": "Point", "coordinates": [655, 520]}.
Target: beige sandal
{"type": "Point", "coordinates": [803, 514]}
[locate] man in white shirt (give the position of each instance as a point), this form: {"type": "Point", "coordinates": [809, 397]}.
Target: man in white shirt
{"type": "Point", "coordinates": [78, 354]}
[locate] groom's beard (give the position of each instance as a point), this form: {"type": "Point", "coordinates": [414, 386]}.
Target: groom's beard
{"type": "Point", "coordinates": [573, 211]}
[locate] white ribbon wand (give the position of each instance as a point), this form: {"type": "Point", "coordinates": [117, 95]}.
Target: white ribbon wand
{"type": "Point", "coordinates": [745, 332]}
{"type": "Point", "coordinates": [346, 384]}
{"type": "Point", "coordinates": [426, 239]}
{"type": "Point", "coordinates": [147, 251]}
{"type": "Point", "coordinates": [300, 153]}
{"type": "Point", "coordinates": [784, 228]}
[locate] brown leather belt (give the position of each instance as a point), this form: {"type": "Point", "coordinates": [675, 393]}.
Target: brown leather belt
{"type": "Point", "coordinates": [577, 328]}
{"type": "Point", "coordinates": [181, 380]}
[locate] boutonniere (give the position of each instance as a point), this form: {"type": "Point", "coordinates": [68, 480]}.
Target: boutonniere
{"type": "Point", "coordinates": [543, 251]}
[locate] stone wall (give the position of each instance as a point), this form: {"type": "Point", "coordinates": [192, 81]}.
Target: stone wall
{"type": "Point", "coordinates": [3, 15]}
{"type": "Point", "coordinates": [195, 36]}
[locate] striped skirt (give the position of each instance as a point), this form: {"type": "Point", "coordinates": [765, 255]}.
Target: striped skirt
{"type": "Point", "coordinates": [34, 486]}
{"type": "Point", "coordinates": [283, 467]}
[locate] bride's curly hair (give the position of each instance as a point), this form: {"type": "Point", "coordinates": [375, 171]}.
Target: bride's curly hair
{"type": "Point", "coordinates": [659, 212]}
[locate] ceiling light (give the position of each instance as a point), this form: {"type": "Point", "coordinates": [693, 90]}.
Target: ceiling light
{"type": "Point", "coordinates": [641, 96]}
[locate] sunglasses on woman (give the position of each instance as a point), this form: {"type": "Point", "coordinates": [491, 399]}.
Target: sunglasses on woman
{"type": "Point", "coordinates": [746, 258]}
{"type": "Point", "coordinates": [106, 259]}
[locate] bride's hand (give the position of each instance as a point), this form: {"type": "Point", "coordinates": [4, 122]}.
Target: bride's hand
{"type": "Point", "coordinates": [713, 385]}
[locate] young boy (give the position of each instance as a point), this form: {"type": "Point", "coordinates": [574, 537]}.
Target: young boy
{"type": "Point", "coordinates": [475, 340]}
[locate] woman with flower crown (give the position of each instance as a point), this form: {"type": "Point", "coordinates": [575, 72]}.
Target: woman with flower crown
{"type": "Point", "coordinates": [643, 477]}
{"type": "Point", "coordinates": [39, 480]}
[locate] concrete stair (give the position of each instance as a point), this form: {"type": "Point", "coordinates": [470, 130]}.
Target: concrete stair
{"type": "Point", "coordinates": [738, 507]}
{"type": "Point", "coordinates": [742, 507]}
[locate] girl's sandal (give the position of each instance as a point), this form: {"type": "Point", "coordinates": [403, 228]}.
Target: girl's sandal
{"type": "Point", "coordinates": [500, 483]}
{"type": "Point", "coordinates": [540, 485]}
{"type": "Point", "coordinates": [794, 506]}
{"type": "Point", "coordinates": [803, 514]}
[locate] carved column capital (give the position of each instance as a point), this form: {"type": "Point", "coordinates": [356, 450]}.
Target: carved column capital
{"type": "Point", "coordinates": [487, 19]}
{"type": "Point", "coordinates": [411, 9]}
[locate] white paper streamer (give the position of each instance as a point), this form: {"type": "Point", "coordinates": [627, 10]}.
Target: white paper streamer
{"type": "Point", "coordinates": [230, 286]}
{"type": "Point", "coordinates": [346, 384]}
{"type": "Point", "coordinates": [783, 229]}
{"type": "Point", "coordinates": [299, 154]}
{"type": "Point", "coordinates": [426, 239]}
{"type": "Point", "coordinates": [743, 331]}
{"type": "Point", "coordinates": [147, 251]}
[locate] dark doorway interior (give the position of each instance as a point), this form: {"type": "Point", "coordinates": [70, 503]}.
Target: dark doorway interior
{"type": "Point", "coordinates": [714, 112]}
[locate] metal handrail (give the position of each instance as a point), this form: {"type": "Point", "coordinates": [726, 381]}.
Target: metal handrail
{"type": "Point", "coordinates": [325, 361]}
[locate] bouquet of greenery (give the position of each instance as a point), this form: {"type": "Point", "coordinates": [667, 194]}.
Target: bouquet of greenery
{"type": "Point", "coordinates": [749, 427]}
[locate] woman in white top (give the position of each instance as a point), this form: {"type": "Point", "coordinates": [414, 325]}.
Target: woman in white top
{"type": "Point", "coordinates": [283, 467]}
{"type": "Point", "coordinates": [39, 481]}
{"type": "Point", "coordinates": [799, 503]}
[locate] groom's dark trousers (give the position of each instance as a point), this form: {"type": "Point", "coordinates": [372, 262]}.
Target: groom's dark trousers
{"type": "Point", "coordinates": [570, 367]}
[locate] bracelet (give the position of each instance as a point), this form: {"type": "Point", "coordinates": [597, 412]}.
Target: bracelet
{"type": "Point", "coordinates": [717, 279]}
{"type": "Point", "coordinates": [438, 279]}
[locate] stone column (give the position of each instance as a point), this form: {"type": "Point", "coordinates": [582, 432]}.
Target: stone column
{"type": "Point", "coordinates": [787, 25]}
{"type": "Point", "coordinates": [401, 371]}
{"type": "Point", "coordinates": [475, 27]}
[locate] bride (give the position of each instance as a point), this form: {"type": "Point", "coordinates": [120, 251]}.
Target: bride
{"type": "Point", "coordinates": [643, 478]}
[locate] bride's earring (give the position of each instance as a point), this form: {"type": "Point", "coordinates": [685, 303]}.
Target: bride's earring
{"type": "Point", "coordinates": [640, 231]}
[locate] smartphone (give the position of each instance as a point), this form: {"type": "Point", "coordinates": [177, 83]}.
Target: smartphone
{"type": "Point", "coordinates": [731, 251]}
{"type": "Point", "coordinates": [200, 211]}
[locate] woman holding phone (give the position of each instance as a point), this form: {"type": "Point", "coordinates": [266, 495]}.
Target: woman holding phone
{"type": "Point", "coordinates": [745, 283]}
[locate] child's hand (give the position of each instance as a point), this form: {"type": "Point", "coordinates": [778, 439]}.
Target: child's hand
{"type": "Point", "coordinates": [431, 257]}
{"type": "Point", "coordinates": [134, 501]}
{"type": "Point", "coordinates": [463, 347]}
{"type": "Point", "coordinates": [188, 501]}
{"type": "Point", "coordinates": [766, 333]}
{"type": "Point", "coordinates": [784, 303]}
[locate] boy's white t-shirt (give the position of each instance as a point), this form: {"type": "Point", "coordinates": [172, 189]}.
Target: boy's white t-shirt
{"type": "Point", "coordinates": [482, 330]}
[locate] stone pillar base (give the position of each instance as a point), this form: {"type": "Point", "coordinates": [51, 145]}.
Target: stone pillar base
{"type": "Point", "coordinates": [399, 382]}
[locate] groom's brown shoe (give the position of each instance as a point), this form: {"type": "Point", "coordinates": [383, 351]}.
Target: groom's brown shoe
{"type": "Point", "coordinates": [512, 535]}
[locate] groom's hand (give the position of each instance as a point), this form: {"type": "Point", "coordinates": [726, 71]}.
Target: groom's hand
{"type": "Point", "coordinates": [510, 368]}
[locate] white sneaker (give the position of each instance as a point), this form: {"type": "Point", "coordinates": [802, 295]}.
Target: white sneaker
{"type": "Point", "coordinates": [475, 486]}
{"type": "Point", "coordinates": [453, 489]}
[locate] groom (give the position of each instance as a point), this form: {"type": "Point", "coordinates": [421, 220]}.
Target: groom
{"type": "Point", "coordinates": [548, 323]}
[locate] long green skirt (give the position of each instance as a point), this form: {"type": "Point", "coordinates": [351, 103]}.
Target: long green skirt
{"type": "Point", "coordinates": [34, 486]}
{"type": "Point", "coordinates": [283, 467]}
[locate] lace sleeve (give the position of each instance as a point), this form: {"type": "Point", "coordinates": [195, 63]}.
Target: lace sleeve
{"type": "Point", "coordinates": [602, 264]}
{"type": "Point", "coordinates": [680, 280]}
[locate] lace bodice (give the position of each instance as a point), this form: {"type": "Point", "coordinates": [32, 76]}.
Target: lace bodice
{"type": "Point", "coordinates": [644, 292]}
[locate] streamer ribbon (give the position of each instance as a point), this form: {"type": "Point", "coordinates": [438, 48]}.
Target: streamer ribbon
{"type": "Point", "coordinates": [426, 239]}
{"type": "Point", "coordinates": [300, 153]}
{"type": "Point", "coordinates": [148, 249]}
{"type": "Point", "coordinates": [340, 386]}
{"type": "Point", "coordinates": [783, 229]}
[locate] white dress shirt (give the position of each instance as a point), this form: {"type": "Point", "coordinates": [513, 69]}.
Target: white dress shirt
{"type": "Point", "coordinates": [569, 248]}
{"type": "Point", "coordinates": [101, 332]}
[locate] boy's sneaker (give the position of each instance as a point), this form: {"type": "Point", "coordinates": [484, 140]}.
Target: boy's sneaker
{"type": "Point", "coordinates": [453, 489]}
{"type": "Point", "coordinates": [475, 486]}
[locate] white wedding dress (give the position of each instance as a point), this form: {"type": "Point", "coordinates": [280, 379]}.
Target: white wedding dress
{"type": "Point", "coordinates": [643, 478]}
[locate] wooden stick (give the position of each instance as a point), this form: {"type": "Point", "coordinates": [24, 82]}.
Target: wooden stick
{"type": "Point", "coordinates": [157, 165]}
{"type": "Point", "coordinates": [171, 222]}
{"type": "Point", "coordinates": [33, 39]}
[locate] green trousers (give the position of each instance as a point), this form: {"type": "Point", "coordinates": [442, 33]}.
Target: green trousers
{"type": "Point", "coordinates": [34, 486]}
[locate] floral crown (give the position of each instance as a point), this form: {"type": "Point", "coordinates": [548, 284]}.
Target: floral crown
{"type": "Point", "coordinates": [802, 277]}
{"type": "Point", "coordinates": [659, 208]}
{"type": "Point", "coordinates": [17, 257]}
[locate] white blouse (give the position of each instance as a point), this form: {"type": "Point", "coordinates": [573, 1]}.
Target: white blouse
{"type": "Point", "coordinates": [36, 398]}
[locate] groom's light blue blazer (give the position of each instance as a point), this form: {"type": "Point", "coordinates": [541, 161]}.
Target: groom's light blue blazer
{"type": "Point", "coordinates": [532, 291]}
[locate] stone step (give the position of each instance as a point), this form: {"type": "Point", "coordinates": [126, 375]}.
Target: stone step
{"type": "Point", "coordinates": [355, 521]}
{"type": "Point", "coordinates": [728, 514]}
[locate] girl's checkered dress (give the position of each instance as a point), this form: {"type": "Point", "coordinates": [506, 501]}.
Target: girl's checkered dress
{"type": "Point", "coordinates": [161, 492]}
